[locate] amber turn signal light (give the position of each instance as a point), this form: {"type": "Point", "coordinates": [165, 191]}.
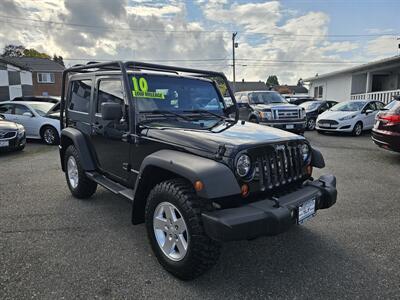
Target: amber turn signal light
{"type": "Point", "coordinates": [309, 170]}
{"type": "Point", "coordinates": [198, 186]}
{"type": "Point", "coordinates": [244, 190]}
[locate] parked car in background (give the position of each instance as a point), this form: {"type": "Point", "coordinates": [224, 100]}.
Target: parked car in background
{"type": "Point", "coordinates": [314, 109]}
{"type": "Point", "coordinates": [12, 135]}
{"type": "Point", "coordinates": [297, 100]}
{"type": "Point", "coordinates": [350, 116]}
{"type": "Point", "coordinates": [270, 108]}
{"type": "Point", "coordinates": [38, 99]}
{"type": "Point", "coordinates": [386, 131]}
{"type": "Point", "coordinates": [37, 117]}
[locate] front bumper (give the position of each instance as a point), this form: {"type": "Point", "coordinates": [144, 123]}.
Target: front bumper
{"type": "Point", "coordinates": [342, 126]}
{"type": "Point", "coordinates": [289, 125]}
{"type": "Point", "coordinates": [13, 143]}
{"type": "Point", "coordinates": [265, 217]}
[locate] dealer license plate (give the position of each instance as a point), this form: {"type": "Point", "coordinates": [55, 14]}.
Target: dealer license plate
{"type": "Point", "coordinates": [289, 126]}
{"type": "Point", "coordinates": [326, 124]}
{"type": "Point", "coordinates": [4, 143]}
{"type": "Point", "coordinates": [306, 211]}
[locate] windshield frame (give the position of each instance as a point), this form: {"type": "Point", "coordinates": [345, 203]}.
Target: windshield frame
{"type": "Point", "coordinates": [142, 115]}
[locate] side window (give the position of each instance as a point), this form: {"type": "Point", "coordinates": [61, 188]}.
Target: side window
{"type": "Point", "coordinates": [6, 108]}
{"type": "Point", "coordinates": [244, 98]}
{"type": "Point", "coordinates": [80, 95]}
{"type": "Point", "coordinates": [371, 106]}
{"type": "Point", "coordinates": [379, 105]}
{"type": "Point", "coordinates": [21, 109]}
{"type": "Point", "coordinates": [109, 91]}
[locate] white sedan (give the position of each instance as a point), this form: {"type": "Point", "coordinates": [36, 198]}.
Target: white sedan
{"type": "Point", "coordinates": [350, 116]}
{"type": "Point", "coordinates": [40, 119]}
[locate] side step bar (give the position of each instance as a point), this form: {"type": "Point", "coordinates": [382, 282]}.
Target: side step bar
{"type": "Point", "coordinates": [111, 185]}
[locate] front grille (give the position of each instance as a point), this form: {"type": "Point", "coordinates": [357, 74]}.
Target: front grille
{"type": "Point", "coordinates": [285, 114]}
{"type": "Point", "coordinates": [7, 134]}
{"type": "Point", "coordinates": [330, 122]}
{"type": "Point", "coordinates": [278, 165]}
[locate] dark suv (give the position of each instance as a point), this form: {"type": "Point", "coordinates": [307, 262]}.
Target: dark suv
{"type": "Point", "coordinates": [163, 138]}
{"type": "Point", "coordinates": [270, 108]}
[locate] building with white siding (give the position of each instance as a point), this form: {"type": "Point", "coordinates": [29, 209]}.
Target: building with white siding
{"type": "Point", "coordinates": [378, 80]}
{"type": "Point", "coordinates": [15, 81]}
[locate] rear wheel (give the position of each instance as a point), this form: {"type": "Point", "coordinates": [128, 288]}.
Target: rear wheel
{"type": "Point", "coordinates": [175, 230]}
{"type": "Point", "coordinates": [50, 135]}
{"type": "Point", "coordinates": [357, 130]}
{"type": "Point", "coordinates": [79, 184]}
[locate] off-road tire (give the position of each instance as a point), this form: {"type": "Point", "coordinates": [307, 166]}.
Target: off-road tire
{"type": "Point", "coordinates": [85, 187]}
{"type": "Point", "coordinates": [202, 252]}
{"type": "Point", "coordinates": [357, 131]}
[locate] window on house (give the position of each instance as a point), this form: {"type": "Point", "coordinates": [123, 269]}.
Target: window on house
{"type": "Point", "coordinates": [45, 78]}
{"type": "Point", "coordinates": [80, 95]}
{"type": "Point", "coordinates": [316, 92]}
{"type": "Point", "coordinates": [320, 91]}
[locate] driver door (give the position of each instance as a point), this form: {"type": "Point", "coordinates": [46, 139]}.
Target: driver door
{"type": "Point", "coordinates": [109, 137]}
{"type": "Point", "coordinates": [369, 118]}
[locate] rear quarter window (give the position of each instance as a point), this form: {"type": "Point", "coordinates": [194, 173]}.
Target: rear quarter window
{"type": "Point", "coordinates": [80, 94]}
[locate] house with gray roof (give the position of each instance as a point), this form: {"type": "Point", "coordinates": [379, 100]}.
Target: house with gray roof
{"type": "Point", "coordinates": [46, 74]}
{"type": "Point", "coordinates": [241, 86]}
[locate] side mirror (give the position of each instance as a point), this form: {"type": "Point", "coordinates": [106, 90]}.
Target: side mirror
{"type": "Point", "coordinates": [369, 111]}
{"type": "Point", "coordinates": [111, 111]}
{"type": "Point", "coordinates": [27, 114]}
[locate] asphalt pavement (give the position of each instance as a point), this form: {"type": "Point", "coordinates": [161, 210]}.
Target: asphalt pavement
{"type": "Point", "coordinates": [53, 246]}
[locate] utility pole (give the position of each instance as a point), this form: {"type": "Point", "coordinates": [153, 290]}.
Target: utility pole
{"type": "Point", "coordinates": [234, 45]}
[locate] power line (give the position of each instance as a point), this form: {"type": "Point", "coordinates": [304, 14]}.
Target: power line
{"type": "Point", "coordinates": [113, 28]}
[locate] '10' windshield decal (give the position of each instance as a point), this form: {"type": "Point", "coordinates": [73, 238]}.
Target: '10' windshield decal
{"type": "Point", "coordinates": [140, 89]}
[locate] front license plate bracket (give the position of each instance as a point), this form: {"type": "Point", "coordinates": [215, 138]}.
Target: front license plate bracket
{"type": "Point", "coordinates": [306, 211]}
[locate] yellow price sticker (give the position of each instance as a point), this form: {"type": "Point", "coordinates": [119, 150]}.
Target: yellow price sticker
{"type": "Point", "coordinates": [153, 95]}
{"type": "Point", "coordinates": [140, 89]}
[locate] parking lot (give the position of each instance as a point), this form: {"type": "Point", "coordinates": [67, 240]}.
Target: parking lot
{"type": "Point", "coordinates": [53, 246]}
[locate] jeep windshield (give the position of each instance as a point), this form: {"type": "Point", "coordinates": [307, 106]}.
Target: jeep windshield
{"type": "Point", "coordinates": [176, 99]}
{"type": "Point", "coordinates": [266, 98]}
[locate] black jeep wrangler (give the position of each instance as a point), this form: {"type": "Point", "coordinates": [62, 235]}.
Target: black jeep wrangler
{"type": "Point", "coordinates": [165, 138]}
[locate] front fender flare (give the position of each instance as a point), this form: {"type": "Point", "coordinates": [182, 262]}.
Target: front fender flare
{"type": "Point", "coordinates": [217, 178]}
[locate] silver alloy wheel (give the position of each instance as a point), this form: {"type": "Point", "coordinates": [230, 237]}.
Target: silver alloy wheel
{"type": "Point", "coordinates": [358, 129]}
{"type": "Point", "coordinates": [72, 171]}
{"type": "Point", "coordinates": [311, 124]}
{"type": "Point", "coordinates": [170, 231]}
{"type": "Point", "coordinates": [49, 136]}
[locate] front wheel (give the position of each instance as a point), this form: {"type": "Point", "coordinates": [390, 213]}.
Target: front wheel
{"type": "Point", "coordinates": [357, 130]}
{"type": "Point", "coordinates": [175, 230]}
{"type": "Point", "coordinates": [50, 135]}
{"type": "Point", "coordinates": [79, 184]}
{"type": "Point", "coordinates": [311, 124]}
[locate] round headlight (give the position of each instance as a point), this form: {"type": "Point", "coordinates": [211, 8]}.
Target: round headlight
{"type": "Point", "coordinates": [243, 165]}
{"type": "Point", "coordinates": [305, 151]}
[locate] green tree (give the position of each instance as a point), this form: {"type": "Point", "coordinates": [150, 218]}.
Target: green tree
{"type": "Point", "coordinates": [272, 80]}
{"type": "Point", "coordinates": [58, 59]}
{"type": "Point", "coordinates": [13, 50]}
{"type": "Point", "coordinates": [34, 53]}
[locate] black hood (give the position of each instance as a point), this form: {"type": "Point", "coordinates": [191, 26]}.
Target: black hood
{"type": "Point", "coordinates": [8, 126]}
{"type": "Point", "coordinates": [236, 136]}
{"type": "Point", "coordinates": [262, 107]}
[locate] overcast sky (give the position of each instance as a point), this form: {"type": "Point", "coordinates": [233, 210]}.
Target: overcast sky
{"type": "Point", "coordinates": [291, 38]}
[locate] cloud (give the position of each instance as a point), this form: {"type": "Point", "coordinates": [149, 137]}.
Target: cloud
{"type": "Point", "coordinates": [383, 46]}
{"type": "Point", "coordinates": [162, 30]}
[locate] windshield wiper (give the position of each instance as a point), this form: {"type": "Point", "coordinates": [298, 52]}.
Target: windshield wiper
{"type": "Point", "coordinates": [203, 111]}
{"type": "Point", "coordinates": [166, 113]}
